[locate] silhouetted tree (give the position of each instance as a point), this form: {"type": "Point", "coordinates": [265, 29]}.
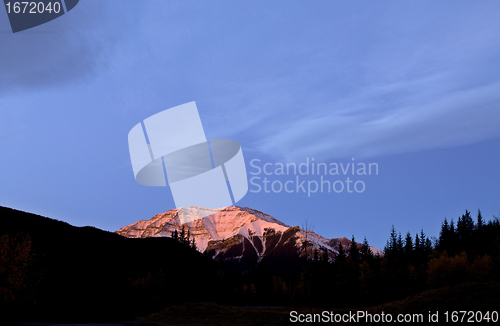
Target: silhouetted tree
{"type": "Point", "coordinates": [392, 242]}
{"type": "Point", "coordinates": [175, 235]}
{"type": "Point", "coordinates": [193, 244]}
{"type": "Point", "coordinates": [444, 235]}
{"type": "Point", "coordinates": [465, 227]}
{"type": "Point", "coordinates": [182, 236]}
{"type": "Point", "coordinates": [399, 247]}
{"type": "Point", "coordinates": [417, 246]}
{"type": "Point", "coordinates": [408, 249]}
{"type": "Point", "coordinates": [341, 253]}
{"type": "Point", "coordinates": [353, 250]}
{"type": "Point", "coordinates": [480, 221]}
{"type": "Point", "coordinates": [366, 251]}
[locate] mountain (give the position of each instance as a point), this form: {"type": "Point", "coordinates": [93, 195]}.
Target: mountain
{"type": "Point", "coordinates": [240, 235]}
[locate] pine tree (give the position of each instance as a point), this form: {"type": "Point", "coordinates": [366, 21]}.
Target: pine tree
{"type": "Point", "coordinates": [353, 250]}
{"type": "Point", "coordinates": [175, 235]}
{"type": "Point", "coordinates": [479, 239]}
{"type": "Point", "coordinates": [182, 236]}
{"type": "Point", "coordinates": [417, 243]}
{"type": "Point", "coordinates": [408, 244]}
{"type": "Point", "coordinates": [453, 241]}
{"type": "Point", "coordinates": [428, 245]}
{"type": "Point", "coordinates": [187, 242]}
{"type": "Point", "coordinates": [444, 235]}
{"type": "Point", "coordinates": [193, 244]}
{"type": "Point", "coordinates": [425, 242]}
{"type": "Point", "coordinates": [366, 251]}
{"type": "Point", "coordinates": [400, 246]}
{"type": "Point", "coordinates": [422, 237]}
{"type": "Point", "coordinates": [392, 242]}
{"type": "Point", "coordinates": [341, 253]}
{"type": "Point", "coordinates": [480, 221]}
{"type": "Point", "coordinates": [465, 227]}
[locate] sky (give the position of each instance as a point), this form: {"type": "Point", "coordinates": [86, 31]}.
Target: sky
{"type": "Point", "coordinates": [411, 86]}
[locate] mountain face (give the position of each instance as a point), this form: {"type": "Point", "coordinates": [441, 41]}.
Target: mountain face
{"type": "Point", "coordinates": [240, 235]}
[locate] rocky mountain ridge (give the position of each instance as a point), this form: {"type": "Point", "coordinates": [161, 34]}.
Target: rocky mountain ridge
{"type": "Point", "coordinates": [239, 234]}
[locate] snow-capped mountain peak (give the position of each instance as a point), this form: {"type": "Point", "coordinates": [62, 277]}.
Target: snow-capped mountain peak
{"type": "Point", "coordinates": [234, 232]}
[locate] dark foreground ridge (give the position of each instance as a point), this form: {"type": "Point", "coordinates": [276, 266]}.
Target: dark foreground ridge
{"type": "Point", "coordinates": [52, 271]}
{"type": "Point", "coordinates": [468, 296]}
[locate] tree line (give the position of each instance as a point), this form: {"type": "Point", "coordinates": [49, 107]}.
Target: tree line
{"type": "Point", "coordinates": [184, 237]}
{"type": "Point", "coordinates": [466, 251]}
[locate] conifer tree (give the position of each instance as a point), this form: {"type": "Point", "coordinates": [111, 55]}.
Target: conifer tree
{"type": "Point", "coordinates": [408, 244]}
{"type": "Point", "coordinates": [417, 243]}
{"type": "Point", "coordinates": [422, 237]}
{"type": "Point", "coordinates": [478, 234]}
{"type": "Point", "coordinates": [353, 250]}
{"type": "Point", "coordinates": [480, 221]}
{"type": "Point", "coordinates": [425, 242]}
{"type": "Point", "coordinates": [341, 253]}
{"type": "Point", "coordinates": [428, 245]}
{"type": "Point", "coordinates": [193, 244]}
{"type": "Point", "coordinates": [444, 235]}
{"type": "Point", "coordinates": [366, 251]}
{"type": "Point", "coordinates": [453, 240]}
{"type": "Point", "coordinates": [182, 235]}
{"type": "Point", "coordinates": [465, 227]}
{"type": "Point", "coordinates": [399, 248]}
{"type": "Point", "coordinates": [175, 235]}
{"type": "Point", "coordinates": [392, 242]}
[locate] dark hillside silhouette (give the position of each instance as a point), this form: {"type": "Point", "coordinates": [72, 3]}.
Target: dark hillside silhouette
{"type": "Point", "coordinates": [69, 273]}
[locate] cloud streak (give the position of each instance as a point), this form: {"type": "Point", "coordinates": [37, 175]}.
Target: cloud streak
{"type": "Point", "coordinates": [418, 121]}
{"type": "Point", "coordinates": [424, 87]}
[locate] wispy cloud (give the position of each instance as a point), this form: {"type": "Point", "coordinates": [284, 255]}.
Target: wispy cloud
{"type": "Point", "coordinates": [453, 119]}
{"type": "Point", "coordinates": [424, 86]}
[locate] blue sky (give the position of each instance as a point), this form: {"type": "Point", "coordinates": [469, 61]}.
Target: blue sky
{"type": "Point", "coordinates": [412, 86]}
